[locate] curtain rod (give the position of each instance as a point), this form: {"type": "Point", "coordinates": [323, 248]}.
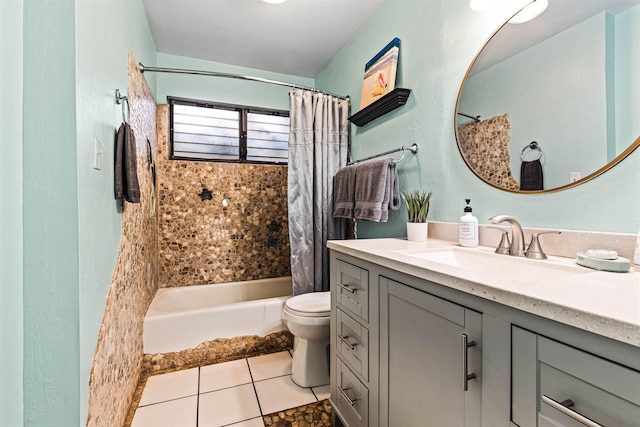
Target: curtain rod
{"type": "Point", "coordinates": [475, 118]}
{"type": "Point", "coordinates": [233, 76]}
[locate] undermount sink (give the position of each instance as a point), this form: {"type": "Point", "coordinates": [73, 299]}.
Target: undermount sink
{"type": "Point", "coordinates": [502, 266]}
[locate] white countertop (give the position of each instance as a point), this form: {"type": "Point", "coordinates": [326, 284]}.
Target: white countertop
{"type": "Point", "coordinates": [601, 302]}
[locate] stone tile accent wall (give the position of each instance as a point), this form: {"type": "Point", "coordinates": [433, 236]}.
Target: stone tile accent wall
{"type": "Point", "coordinates": [202, 242]}
{"type": "Point", "coordinates": [485, 146]}
{"type": "Point", "coordinates": [217, 351]}
{"type": "Point", "coordinates": [117, 362]}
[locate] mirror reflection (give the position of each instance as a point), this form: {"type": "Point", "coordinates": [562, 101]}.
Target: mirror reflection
{"type": "Point", "coordinates": [554, 102]}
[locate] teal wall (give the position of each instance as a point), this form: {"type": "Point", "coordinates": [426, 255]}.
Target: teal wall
{"type": "Point", "coordinates": [105, 32]}
{"type": "Point", "coordinates": [60, 229]}
{"type": "Point", "coordinates": [11, 270]}
{"type": "Point", "coordinates": [51, 286]}
{"type": "Point", "coordinates": [545, 84]}
{"type": "Point", "coordinates": [438, 41]}
{"type": "Point", "coordinates": [224, 90]}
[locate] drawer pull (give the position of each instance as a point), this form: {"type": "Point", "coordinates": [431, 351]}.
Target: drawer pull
{"type": "Point", "coordinates": [344, 340]}
{"type": "Point", "coordinates": [565, 408]}
{"type": "Point", "coordinates": [346, 396]}
{"type": "Point", "coordinates": [465, 362]}
{"type": "Point", "coordinates": [346, 288]}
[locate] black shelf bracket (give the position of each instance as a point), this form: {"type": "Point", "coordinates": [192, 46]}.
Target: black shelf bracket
{"type": "Point", "coordinates": [394, 99]}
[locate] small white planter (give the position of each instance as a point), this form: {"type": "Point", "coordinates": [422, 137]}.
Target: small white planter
{"type": "Point", "coordinates": [417, 231]}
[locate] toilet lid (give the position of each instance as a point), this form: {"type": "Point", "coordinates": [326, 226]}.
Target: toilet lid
{"type": "Point", "coordinates": [314, 304]}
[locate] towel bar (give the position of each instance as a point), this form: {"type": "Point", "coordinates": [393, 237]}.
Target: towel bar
{"type": "Point", "coordinates": [413, 148]}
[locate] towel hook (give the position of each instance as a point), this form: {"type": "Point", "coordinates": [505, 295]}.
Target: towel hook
{"type": "Point", "coordinates": [119, 99]}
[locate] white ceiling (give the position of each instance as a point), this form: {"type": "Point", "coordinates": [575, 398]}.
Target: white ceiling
{"type": "Point", "coordinates": [298, 37]}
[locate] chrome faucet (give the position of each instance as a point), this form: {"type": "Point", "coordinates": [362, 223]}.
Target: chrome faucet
{"type": "Point", "coordinates": [517, 236]}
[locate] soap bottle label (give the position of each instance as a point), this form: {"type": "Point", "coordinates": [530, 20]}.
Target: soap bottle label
{"type": "Point", "coordinates": [467, 231]}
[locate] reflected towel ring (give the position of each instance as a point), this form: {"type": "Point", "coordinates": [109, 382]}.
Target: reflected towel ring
{"type": "Point", "coordinates": [533, 146]}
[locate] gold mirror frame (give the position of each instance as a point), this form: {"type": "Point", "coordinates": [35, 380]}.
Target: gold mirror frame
{"type": "Point", "coordinates": [589, 177]}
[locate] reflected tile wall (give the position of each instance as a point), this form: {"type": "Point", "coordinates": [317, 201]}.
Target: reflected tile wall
{"type": "Point", "coordinates": [485, 146]}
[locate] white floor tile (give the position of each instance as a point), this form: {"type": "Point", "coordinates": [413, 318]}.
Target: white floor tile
{"type": "Point", "coordinates": [228, 406]}
{"type": "Point", "coordinates": [160, 388]}
{"type": "Point", "coordinates": [254, 422]}
{"type": "Point", "coordinates": [174, 413]}
{"type": "Point", "coordinates": [280, 393]}
{"type": "Point", "coordinates": [270, 365]}
{"type": "Point", "coordinates": [224, 375]}
{"type": "Point", "coordinates": [322, 392]}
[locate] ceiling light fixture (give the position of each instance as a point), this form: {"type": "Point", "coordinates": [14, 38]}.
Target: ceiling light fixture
{"type": "Point", "coordinates": [529, 12]}
{"type": "Point", "coordinates": [274, 1]}
{"type": "Point", "coordinates": [482, 5]}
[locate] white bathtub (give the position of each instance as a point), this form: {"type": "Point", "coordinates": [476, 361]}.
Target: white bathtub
{"type": "Point", "coordinates": [181, 318]}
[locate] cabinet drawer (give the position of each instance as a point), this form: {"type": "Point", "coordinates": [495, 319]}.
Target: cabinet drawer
{"type": "Point", "coordinates": [598, 389]}
{"type": "Point", "coordinates": [352, 286]}
{"type": "Point", "coordinates": [352, 397]}
{"type": "Point", "coordinates": [353, 343]}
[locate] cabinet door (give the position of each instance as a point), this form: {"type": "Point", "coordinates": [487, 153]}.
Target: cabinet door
{"type": "Point", "coordinates": [555, 384]}
{"type": "Point", "coordinates": [422, 369]}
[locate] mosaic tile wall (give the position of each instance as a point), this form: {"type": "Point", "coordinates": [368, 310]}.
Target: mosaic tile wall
{"type": "Point", "coordinates": [117, 361]}
{"type": "Point", "coordinates": [485, 146]}
{"type": "Point", "coordinates": [204, 242]}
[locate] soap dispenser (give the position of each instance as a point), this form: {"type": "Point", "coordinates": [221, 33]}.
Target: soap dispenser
{"type": "Point", "coordinates": [468, 227]}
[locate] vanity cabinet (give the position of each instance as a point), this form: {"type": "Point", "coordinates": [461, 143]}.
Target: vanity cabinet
{"type": "Point", "coordinates": [430, 359]}
{"type": "Point", "coordinates": [405, 346]}
{"type": "Point", "coordinates": [556, 384]}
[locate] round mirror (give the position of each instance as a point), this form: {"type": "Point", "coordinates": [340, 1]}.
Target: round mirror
{"type": "Point", "coordinates": [554, 102]}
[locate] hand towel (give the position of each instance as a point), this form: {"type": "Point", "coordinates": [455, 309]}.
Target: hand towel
{"type": "Point", "coordinates": [344, 183]}
{"type": "Point", "coordinates": [126, 166]}
{"type": "Point", "coordinates": [531, 176]}
{"type": "Point", "coordinates": [372, 190]}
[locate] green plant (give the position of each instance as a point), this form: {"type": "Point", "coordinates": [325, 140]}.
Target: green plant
{"type": "Point", "coordinates": [417, 202]}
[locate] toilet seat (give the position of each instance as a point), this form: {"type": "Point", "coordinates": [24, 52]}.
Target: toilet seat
{"type": "Point", "coordinates": [315, 304]}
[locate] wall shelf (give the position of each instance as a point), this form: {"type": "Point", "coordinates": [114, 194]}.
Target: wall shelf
{"type": "Point", "coordinates": [394, 99]}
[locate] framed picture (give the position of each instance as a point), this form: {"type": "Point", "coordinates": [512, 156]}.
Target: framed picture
{"type": "Point", "coordinates": [380, 74]}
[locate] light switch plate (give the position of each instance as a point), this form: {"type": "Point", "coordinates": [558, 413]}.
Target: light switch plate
{"type": "Point", "coordinates": [574, 176]}
{"type": "Point", "coordinates": [97, 153]}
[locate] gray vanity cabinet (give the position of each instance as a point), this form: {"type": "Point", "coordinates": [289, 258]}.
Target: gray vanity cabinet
{"type": "Point", "coordinates": [404, 348]}
{"type": "Point", "coordinates": [430, 359]}
{"type": "Point", "coordinates": [554, 384]}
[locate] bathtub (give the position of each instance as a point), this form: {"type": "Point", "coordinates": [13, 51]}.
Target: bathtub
{"type": "Point", "coordinates": [181, 318]}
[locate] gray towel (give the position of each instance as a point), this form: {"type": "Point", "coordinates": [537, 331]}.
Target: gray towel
{"type": "Point", "coordinates": [344, 184]}
{"type": "Point", "coordinates": [126, 166]}
{"type": "Point", "coordinates": [531, 177]}
{"type": "Point", "coordinates": [376, 190]}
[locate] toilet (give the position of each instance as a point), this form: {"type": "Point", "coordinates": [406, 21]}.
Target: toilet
{"type": "Point", "coordinates": [307, 317]}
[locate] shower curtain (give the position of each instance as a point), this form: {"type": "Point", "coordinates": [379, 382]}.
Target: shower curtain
{"type": "Point", "coordinates": [318, 145]}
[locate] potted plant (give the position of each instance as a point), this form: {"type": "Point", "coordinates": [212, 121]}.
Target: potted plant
{"type": "Point", "coordinates": [417, 202]}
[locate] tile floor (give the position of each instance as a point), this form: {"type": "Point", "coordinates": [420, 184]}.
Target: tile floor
{"type": "Point", "coordinates": [236, 393]}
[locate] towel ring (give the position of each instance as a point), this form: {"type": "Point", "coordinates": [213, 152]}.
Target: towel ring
{"type": "Point", "coordinates": [533, 146]}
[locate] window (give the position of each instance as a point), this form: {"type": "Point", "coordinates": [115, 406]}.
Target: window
{"type": "Point", "coordinates": [227, 133]}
